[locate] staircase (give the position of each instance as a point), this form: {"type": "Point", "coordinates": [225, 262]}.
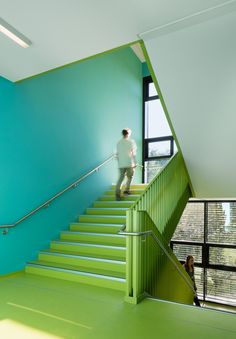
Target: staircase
{"type": "Point", "coordinates": [91, 251]}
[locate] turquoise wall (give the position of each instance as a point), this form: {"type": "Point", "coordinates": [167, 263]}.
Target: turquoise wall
{"type": "Point", "coordinates": [145, 70]}
{"type": "Point", "coordinates": [53, 129]}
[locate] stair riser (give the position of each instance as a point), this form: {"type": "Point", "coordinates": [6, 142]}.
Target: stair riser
{"type": "Point", "coordinates": [115, 204]}
{"type": "Point", "coordinates": [95, 229]}
{"type": "Point", "coordinates": [135, 191]}
{"type": "Point", "coordinates": [113, 198]}
{"type": "Point", "coordinates": [95, 259]}
{"type": "Point", "coordinates": [103, 240]}
{"type": "Point", "coordinates": [134, 186]}
{"type": "Point", "coordinates": [105, 211]}
{"type": "Point", "coordinates": [109, 253]}
{"type": "Point", "coordinates": [84, 263]}
{"type": "Point", "coordinates": [116, 285]}
{"type": "Point", "coordinates": [103, 220]}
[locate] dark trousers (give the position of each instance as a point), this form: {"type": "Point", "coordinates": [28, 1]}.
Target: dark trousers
{"type": "Point", "coordinates": [196, 301]}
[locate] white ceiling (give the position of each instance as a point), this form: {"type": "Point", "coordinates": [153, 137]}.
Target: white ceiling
{"type": "Point", "coordinates": [64, 31]}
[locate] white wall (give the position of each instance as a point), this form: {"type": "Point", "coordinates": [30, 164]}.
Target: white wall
{"type": "Point", "coordinates": [195, 67]}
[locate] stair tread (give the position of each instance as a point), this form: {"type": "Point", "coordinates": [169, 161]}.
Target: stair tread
{"type": "Point", "coordinates": [108, 208]}
{"type": "Point", "coordinates": [108, 211]}
{"type": "Point", "coordinates": [110, 239]}
{"type": "Point", "coordinates": [134, 191]}
{"type": "Point", "coordinates": [65, 252]}
{"type": "Point", "coordinates": [117, 202]}
{"type": "Point", "coordinates": [125, 196]}
{"type": "Point", "coordinates": [113, 204]}
{"type": "Point", "coordinates": [96, 227]}
{"type": "Point", "coordinates": [82, 257]}
{"type": "Point", "coordinates": [132, 185]}
{"type": "Point", "coordinates": [77, 243]}
{"type": "Point", "coordinates": [103, 216]}
{"type": "Point", "coordinates": [112, 235]}
{"type": "Point", "coordinates": [76, 269]}
{"type": "Point", "coordinates": [95, 224]}
{"type": "Point", "coordinates": [110, 197]}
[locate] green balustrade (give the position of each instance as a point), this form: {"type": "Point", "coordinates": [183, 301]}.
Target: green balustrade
{"type": "Point", "coordinates": [151, 267]}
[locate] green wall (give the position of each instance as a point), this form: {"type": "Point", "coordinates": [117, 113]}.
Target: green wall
{"type": "Point", "coordinates": [53, 129]}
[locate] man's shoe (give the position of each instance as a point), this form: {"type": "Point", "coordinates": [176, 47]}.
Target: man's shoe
{"type": "Point", "coordinates": [127, 192]}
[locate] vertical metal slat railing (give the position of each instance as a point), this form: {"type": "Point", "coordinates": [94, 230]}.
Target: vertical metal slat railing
{"type": "Point", "coordinates": [163, 200]}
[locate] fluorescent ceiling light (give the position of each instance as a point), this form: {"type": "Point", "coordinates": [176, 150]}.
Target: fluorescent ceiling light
{"type": "Point", "coordinates": [13, 34]}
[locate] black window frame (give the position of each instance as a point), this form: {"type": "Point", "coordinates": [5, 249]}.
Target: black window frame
{"type": "Point", "coordinates": [146, 141]}
{"type": "Point", "coordinates": [159, 139]}
{"type": "Point", "coordinates": [205, 246]}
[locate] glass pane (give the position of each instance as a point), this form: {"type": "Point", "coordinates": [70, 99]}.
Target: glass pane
{"type": "Point", "coordinates": [221, 286]}
{"type": "Point", "coordinates": [199, 279]}
{"type": "Point", "coordinates": [159, 148]}
{"type": "Point", "coordinates": [222, 256]}
{"type": "Point", "coordinates": [182, 251]}
{"type": "Point", "coordinates": [175, 148]}
{"type": "Point", "coordinates": [156, 124]}
{"type": "Point", "coordinates": [191, 224]}
{"type": "Point", "coordinates": [222, 222]}
{"type": "Point", "coordinates": [152, 168]}
{"type": "Point", "coordinates": [151, 89]}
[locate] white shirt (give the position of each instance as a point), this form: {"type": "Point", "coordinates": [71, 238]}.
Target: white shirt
{"type": "Point", "coordinates": [126, 152]}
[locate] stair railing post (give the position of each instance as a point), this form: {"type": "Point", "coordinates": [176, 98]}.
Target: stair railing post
{"type": "Point", "coordinates": [129, 257]}
{"type": "Point", "coordinates": [134, 259]}
{"type": "Point", "coordinates": [139, 260]}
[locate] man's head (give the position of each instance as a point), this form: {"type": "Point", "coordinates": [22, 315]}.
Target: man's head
{"type": "Point", "coordinates": [126, 132]}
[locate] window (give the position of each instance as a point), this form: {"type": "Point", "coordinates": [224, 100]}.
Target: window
{"type": "Point", "coordinates": [207, 230]}
{"type": "Point", "coordinates": [159, 143]}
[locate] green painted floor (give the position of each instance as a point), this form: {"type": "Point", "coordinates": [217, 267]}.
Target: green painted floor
{"type": "Point", "coordinates": [40, 307]}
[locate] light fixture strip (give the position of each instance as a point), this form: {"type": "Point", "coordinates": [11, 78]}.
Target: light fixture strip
{"type": "Point", "coordinates": [13, 34]}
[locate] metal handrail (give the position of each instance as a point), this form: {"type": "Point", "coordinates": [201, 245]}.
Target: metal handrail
{"type": "Point", "coordinates": [48, 202]}
{"type": "Point", "coordinates": [150, 232]}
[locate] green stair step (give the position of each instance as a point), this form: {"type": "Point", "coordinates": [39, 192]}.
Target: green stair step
{"type": "Point", "coordinates": [96, 228]}
{"type": "Point", "coordinates": [52, 250]}
{"type": "Point", "coordinates": [99, 238]}
{"type": "Point", "coordinates": [109, 197]}
{"type": "Point", "coordinates": [112, 204]}
{"type": "Point", "coordinates": [133, 186]}
{"type": "Point", "coordinates": [83, 262]}
{"type": "Point", "coordinates": [103, 219]}
{"type": "Point", "coordinates": [91, 250]}
{"type": "Point", "coordinates": [77, 276]}
{"type": "Point", "coordinates": [106, 211]}
{"type": "Point", "coordinates": [77, 267]}
{"type": "Point", "coordinates": [135, 191]}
